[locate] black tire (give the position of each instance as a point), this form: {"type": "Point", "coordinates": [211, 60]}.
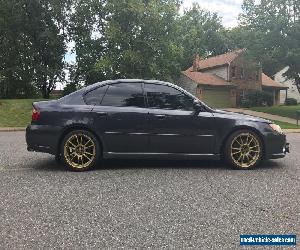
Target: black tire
{"type": "Point", "coordinates": [58, 158]}
{"type": "Point", "coordinates": [243, 149]}
{"type": "Point", "coordinates": [80, 150]}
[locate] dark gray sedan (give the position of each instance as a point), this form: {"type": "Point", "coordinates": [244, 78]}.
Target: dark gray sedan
{"type": "Point", "coordinates": [148, 119]}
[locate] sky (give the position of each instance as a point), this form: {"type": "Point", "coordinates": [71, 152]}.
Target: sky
{"type": "Point", "coordinates": [227, 9]}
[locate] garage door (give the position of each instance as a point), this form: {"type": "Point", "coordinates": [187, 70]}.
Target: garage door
{"type": "Point", "coordinates": [216, 98]}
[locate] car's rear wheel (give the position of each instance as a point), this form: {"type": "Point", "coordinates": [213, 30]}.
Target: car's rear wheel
{"type": "Point", "coordinates": [243, 149]}
{"type": "Point", "coordinates": [80, 150]}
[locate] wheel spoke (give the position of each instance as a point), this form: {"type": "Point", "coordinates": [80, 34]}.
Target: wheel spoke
{"type": "Point", "coordinates": [72, 143]}
{"type": "Point", "coordinates": [84, 155]}
{"type": "Point", "coordinates": [89, 153]}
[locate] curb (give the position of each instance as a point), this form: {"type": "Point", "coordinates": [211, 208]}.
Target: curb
{"type": "Point", "coordinates": [289, 131]}
{"type": "Point", "coordinates": [9, 129]}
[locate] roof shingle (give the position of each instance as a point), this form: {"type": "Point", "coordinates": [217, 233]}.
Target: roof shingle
{"type": "Point", "coordinates": [269, 82]}
{"type": "Point", "coordinates": [219, 60]}
{"type": "Point", "coordinates": [206, 78]}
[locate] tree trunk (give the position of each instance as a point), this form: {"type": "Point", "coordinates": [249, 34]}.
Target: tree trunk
{"type": "Point", "coordinates": [45, 92]}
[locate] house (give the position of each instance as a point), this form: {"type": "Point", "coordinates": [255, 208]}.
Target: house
{"type": "Point", "coordinates": [292, 91]}
{"type": "Point", "coordinates": [56, 93]}
{"type": "Point", "coordinates": [222, 80]}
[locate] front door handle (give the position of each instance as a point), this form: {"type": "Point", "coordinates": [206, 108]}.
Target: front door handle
{"type": "Point", "coordinates": [160, 117]}
{"type": "Point", "coordinates": [102, 113]}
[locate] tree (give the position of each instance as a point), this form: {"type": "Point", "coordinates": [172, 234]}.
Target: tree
{"type": "Point", "coordinates": [140, 38]}
{"type": "Point", "coordinates": [272, 28]}
{"type": "Point", "coordinates": [15, 51]}
{"type": "Point", "coordinates": [87, 32]}
{"type": "Point", "coordinates": [32, 44]}
{"type": "Point", "coordinates": [201, 32]}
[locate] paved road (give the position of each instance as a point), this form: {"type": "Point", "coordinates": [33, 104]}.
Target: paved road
{"type": "Point", "coordinates": [142, 204]}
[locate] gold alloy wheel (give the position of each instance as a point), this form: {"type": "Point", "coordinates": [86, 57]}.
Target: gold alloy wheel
{"type": "Point", "coordinates": [245, 150]}
{"type": "Point", "coordinates": [79, 151]}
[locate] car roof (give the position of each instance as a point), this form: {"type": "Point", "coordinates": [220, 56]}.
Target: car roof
{"type": "Point", "coordinates": [89, 88]}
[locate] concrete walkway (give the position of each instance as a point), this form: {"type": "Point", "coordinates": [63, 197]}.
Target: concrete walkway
{"type": "Point", "coordinates": [264, 115]}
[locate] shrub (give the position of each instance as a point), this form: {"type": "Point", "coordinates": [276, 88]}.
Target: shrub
{"type": "Point", "coordinates": [69, 88]}
{"type": "Point", "coordinates": [290, 101]}
{"type": "Point", "coordinates": [254, 98]}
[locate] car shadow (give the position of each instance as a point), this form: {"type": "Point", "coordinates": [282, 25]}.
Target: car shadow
{"type": "Point", "coordinates": [50, 164]}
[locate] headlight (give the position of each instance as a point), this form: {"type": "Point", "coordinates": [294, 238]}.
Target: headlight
{"type": "Point", "coordinates": [276, 128]}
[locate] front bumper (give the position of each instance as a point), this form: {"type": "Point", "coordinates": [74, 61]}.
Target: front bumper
{"type": "Point", "coordinates": [276, 146]}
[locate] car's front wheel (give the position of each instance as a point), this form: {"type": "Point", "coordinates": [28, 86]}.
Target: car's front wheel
{"type": "Point", "coordinates": [243, 149]}
{"type": "Point", "coordinates": [80, 150]}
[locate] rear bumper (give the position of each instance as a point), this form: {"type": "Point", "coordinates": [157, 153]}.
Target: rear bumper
{"type": "Point", "coordinates": [42, 138]}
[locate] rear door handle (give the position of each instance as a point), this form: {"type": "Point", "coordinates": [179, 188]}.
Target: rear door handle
{"type": "Point", "coordinates": [102, 113]}
{"type": "Point", "coordinates": [160, 117]}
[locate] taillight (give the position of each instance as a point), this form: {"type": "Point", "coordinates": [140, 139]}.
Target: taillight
{"type": "Point", "coordinates": [35, 115]}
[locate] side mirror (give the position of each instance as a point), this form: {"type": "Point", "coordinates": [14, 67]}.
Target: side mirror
{"type": "Point", "coordinates": [197, 106]}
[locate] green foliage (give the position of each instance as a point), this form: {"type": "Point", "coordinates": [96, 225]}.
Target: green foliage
{"type": "Point", "coordinates": [32, 45]}
{"type": "Point", "coordinates": [69, 88]}
{"type": "Point", "coordinates": [254, 98]}
{"type": "Point", "coordinates": [201, 32]}
{"type": "Point", "coordinates": [290, 101]}
{"type": "Point", "coordinates": [270, 31]}
{"type": "Point", "coordinates": [141, 40]}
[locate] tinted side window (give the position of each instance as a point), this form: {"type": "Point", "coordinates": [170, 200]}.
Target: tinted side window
{"type": "Point", "coordinates": [95, 96]}
{"type": "Point", "coordinates": [124, 95]}
{"type": "Point", "coordinates": [165, 97]}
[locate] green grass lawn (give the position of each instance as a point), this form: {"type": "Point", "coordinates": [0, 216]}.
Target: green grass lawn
{"type": "Point", "coordinates": [15, 112]}
{"type": "Point", "coordinates": [285, 125]}
{"type": "Point", "coordinates": [287, 111]}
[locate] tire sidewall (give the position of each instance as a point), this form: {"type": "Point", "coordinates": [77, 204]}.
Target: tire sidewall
{"type": "Point", "coordinates": [97, 150]}
{"type": "Point", "coordinates": [227, 150]}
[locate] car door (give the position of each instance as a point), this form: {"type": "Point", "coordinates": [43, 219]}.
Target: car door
{"type": "Point", "coordinates": [121, 117]}
{"type": "Point", "coordinates": [175, 127]}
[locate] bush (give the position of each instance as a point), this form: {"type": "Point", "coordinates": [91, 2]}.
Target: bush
{"type": "Point", "coordinates": [290, 101]}
{"type": "Point", "coordinates": [256, 98]}
{"type": "Point", "coordinates": [69, 88]}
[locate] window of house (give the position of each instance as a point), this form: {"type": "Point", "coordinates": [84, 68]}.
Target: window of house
{"type": "Point", "coordinates": [124, 95]}
{"type": "Point", "coordinates": [165, 97]}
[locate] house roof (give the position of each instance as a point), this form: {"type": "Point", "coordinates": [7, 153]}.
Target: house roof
{"type": "Point", "coordinates": [270, 83]}
{"type": "Point", "coordinates": [206, 78]}
{"type": "Point", "coordinates": [215, 61]}
{"type": "Point", "coordinates": [197, 72]}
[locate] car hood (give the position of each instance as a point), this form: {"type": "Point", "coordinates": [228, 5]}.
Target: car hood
{"type": "Point", "coordinates": [240, 116]}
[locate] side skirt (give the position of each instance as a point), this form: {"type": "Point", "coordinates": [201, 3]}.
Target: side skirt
{"type": "Point", "coordinates": [177, 156]}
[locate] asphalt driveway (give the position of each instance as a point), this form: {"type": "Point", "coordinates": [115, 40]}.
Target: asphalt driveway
{"type": "Point", "coordinates": [142, 204]}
